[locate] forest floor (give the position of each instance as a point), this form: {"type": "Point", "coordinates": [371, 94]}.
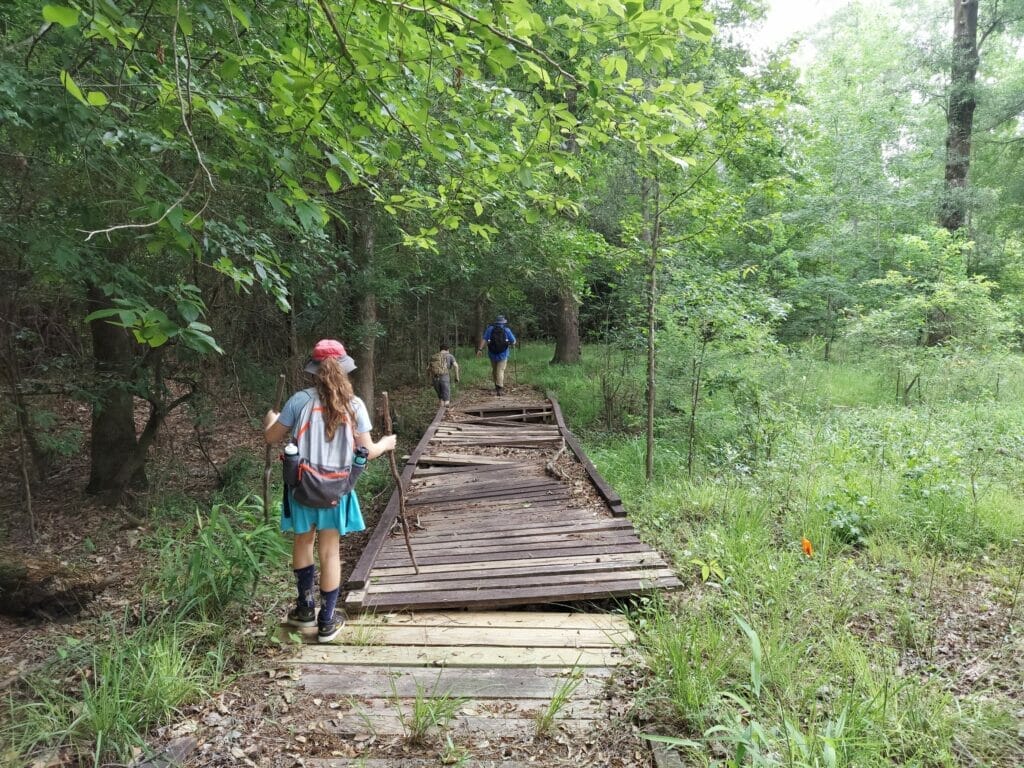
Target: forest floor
{"type": "Point", "coordinates": [100, 560]}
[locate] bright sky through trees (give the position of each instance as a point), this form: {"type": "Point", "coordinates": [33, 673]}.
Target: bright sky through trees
{"type": "Point", "coordinates": [786, 18]}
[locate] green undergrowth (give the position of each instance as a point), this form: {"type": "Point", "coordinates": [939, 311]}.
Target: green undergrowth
{"type": "Point", "coordinates": [185, 636]}
{"type": "Point", "coordinates": [868, 652]}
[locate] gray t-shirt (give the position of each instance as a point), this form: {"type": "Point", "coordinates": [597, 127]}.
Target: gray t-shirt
{"type": "Point", "coordinates": [293, 409]}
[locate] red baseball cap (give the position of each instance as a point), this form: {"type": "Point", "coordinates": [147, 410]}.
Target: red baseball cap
{"type": "Point", "coordinates": [326, 348]}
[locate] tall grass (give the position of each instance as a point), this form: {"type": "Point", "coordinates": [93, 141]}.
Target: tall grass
{"type": "Point", "coordinates": [771, 657]}
{"type": "Point", "coordinates": [181, 641]}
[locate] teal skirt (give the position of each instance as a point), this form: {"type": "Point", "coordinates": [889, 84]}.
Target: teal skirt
{"type": "Point", "coordinates": [344, 518]}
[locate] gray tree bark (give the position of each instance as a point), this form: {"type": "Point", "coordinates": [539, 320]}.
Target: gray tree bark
{"type": "Point", "coordinates": [960, 113]}
{"type": "Point", "coordinates": [567, 337]}
{"type": "Point", "coordinates": [652, 216]}
{"type": "Point", "coordinates": [113, 443]}
{"type": "Point", "coordinates": [364, 236]}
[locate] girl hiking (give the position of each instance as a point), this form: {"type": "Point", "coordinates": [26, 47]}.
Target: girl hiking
{"type": "Point", "coordinates": [329, 425]}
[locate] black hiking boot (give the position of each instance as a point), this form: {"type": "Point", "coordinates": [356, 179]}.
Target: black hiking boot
{"type": "Point", "coordinates": [327, 631]}
{"type": "Point", "coordinates": [302, 616]}
{"type": "Point", "coordinates": [499, 391]}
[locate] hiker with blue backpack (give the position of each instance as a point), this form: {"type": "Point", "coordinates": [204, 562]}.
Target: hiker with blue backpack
{"type": "Point", "coordinates": [499, 340]}
{"type": "Point", "coordinates": [329, 443]}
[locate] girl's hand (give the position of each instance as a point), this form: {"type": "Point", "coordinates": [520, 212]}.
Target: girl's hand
{"type": "Point", "coordinates": [269, 419]}
{"type": "Point", "coordinates": [387, 443]}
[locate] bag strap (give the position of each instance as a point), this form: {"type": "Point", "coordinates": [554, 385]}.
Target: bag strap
{"type": "Point", "coordinates": [303, 437]}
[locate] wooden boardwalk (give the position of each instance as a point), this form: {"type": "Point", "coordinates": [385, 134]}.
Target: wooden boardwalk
{"type": "Point", "coordinates": [512, 512]}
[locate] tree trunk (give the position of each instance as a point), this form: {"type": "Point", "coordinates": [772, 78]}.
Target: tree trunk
{"type": "Point", "coordinates": [960, 114]}
{"type": "Point", "coordinates": [650, 205]}
{"type": "Point", "coordinates": [293, 374]}
{"type": "Point", "coordinates": [363, 241]}
{"type": "Point", "coordinates": [567, 339]}
{"type": "Point", "coordinates": [481, 324]}
{"type": "Point", "coordinates": [114, 443]}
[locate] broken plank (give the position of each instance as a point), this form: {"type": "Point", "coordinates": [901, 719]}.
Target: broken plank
{"type": "Point", "coordinates": [464, 458]}
{"type": "Point", "coordinates": [605, 490]}
{"type": "Point", "coordinates": [520, 581]}
{"type": "Point", "coordinates": [485, 598]}
{"type": "Point", "coordinates": [433, 555]}
{"type": "Point", "coordinates": [597, 570]}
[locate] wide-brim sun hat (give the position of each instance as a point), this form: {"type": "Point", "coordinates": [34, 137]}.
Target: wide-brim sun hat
{"type": "Point", "coordinates": [326, 348]}
{"type": "Point", "coordinates": [500, 319]}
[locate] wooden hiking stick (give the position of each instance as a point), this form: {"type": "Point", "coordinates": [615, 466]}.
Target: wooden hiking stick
{"type": "Point", "coordinates": [386, 408]}
{"type": "Point", "coordinates": [266, 459]}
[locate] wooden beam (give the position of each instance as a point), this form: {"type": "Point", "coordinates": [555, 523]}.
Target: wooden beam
{"type": "Point", "coordinates": [607, 493]}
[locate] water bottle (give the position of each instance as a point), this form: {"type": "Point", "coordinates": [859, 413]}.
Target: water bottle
{"type": "Point", "coordinates": [290, 465]}
{"type": "Point", "coordinates": [358, 463]}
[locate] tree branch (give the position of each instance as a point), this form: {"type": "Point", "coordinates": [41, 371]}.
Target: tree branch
{"type": "Point", "coordinates": [92, 233]}
{"type": "Point", "coordinates": [186, 108]}
{"type": "Point", "coordinates": [512, 40]}
{"type": "Point", "coordinates": [333, 22]}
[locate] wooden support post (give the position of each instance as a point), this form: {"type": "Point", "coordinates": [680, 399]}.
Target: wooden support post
{"type": "Point", "coordinates": [278, 401]}
{"type": "Point", "coordinates": [386, 407]}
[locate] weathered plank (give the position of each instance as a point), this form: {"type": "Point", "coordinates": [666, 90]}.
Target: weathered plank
{"type": "Point", "coordinates": [533, 619]}
{"type": "Point", "coordinates": [535, 541]}
{"type": "Point", "coordinates": [533, 637]}
{"type": "Point", "coordinates": [488, 528]}
{"type": "Point", "coordinates": [441, 457]}
{"type": "Point", "coordinates": [475, 557]}
{"type": "Point", "coordinates": [465, 656]}
{"type": "Point", "coordinates": [516, 509]}
{"type": "Point", "coordinates": [643, 557]}
{"type": "Point", "coordinates": [482, 727]}
{"type": "Point", "coordinates": [388, 762]}
{"type": "Point", "coordinates": [487, 598]}
{"type": "Point", "coordinates": [484, 490]}
{"type": "Point", "coordinates": [519, 581]}
{"type": "Point", "coordinates": [462, 682]}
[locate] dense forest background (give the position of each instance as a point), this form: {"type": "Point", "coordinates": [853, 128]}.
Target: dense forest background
{"type": "Point", "coordinates": [229, 183]}
{"type": "Point", "coordinates": [783, 300]}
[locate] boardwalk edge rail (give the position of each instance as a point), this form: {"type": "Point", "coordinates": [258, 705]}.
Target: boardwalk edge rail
{"type": "Point", "coordinates": [606, 492]}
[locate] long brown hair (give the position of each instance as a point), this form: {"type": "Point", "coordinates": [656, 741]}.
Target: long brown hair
{"type": "Point", "coordinates": [336, 395]}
